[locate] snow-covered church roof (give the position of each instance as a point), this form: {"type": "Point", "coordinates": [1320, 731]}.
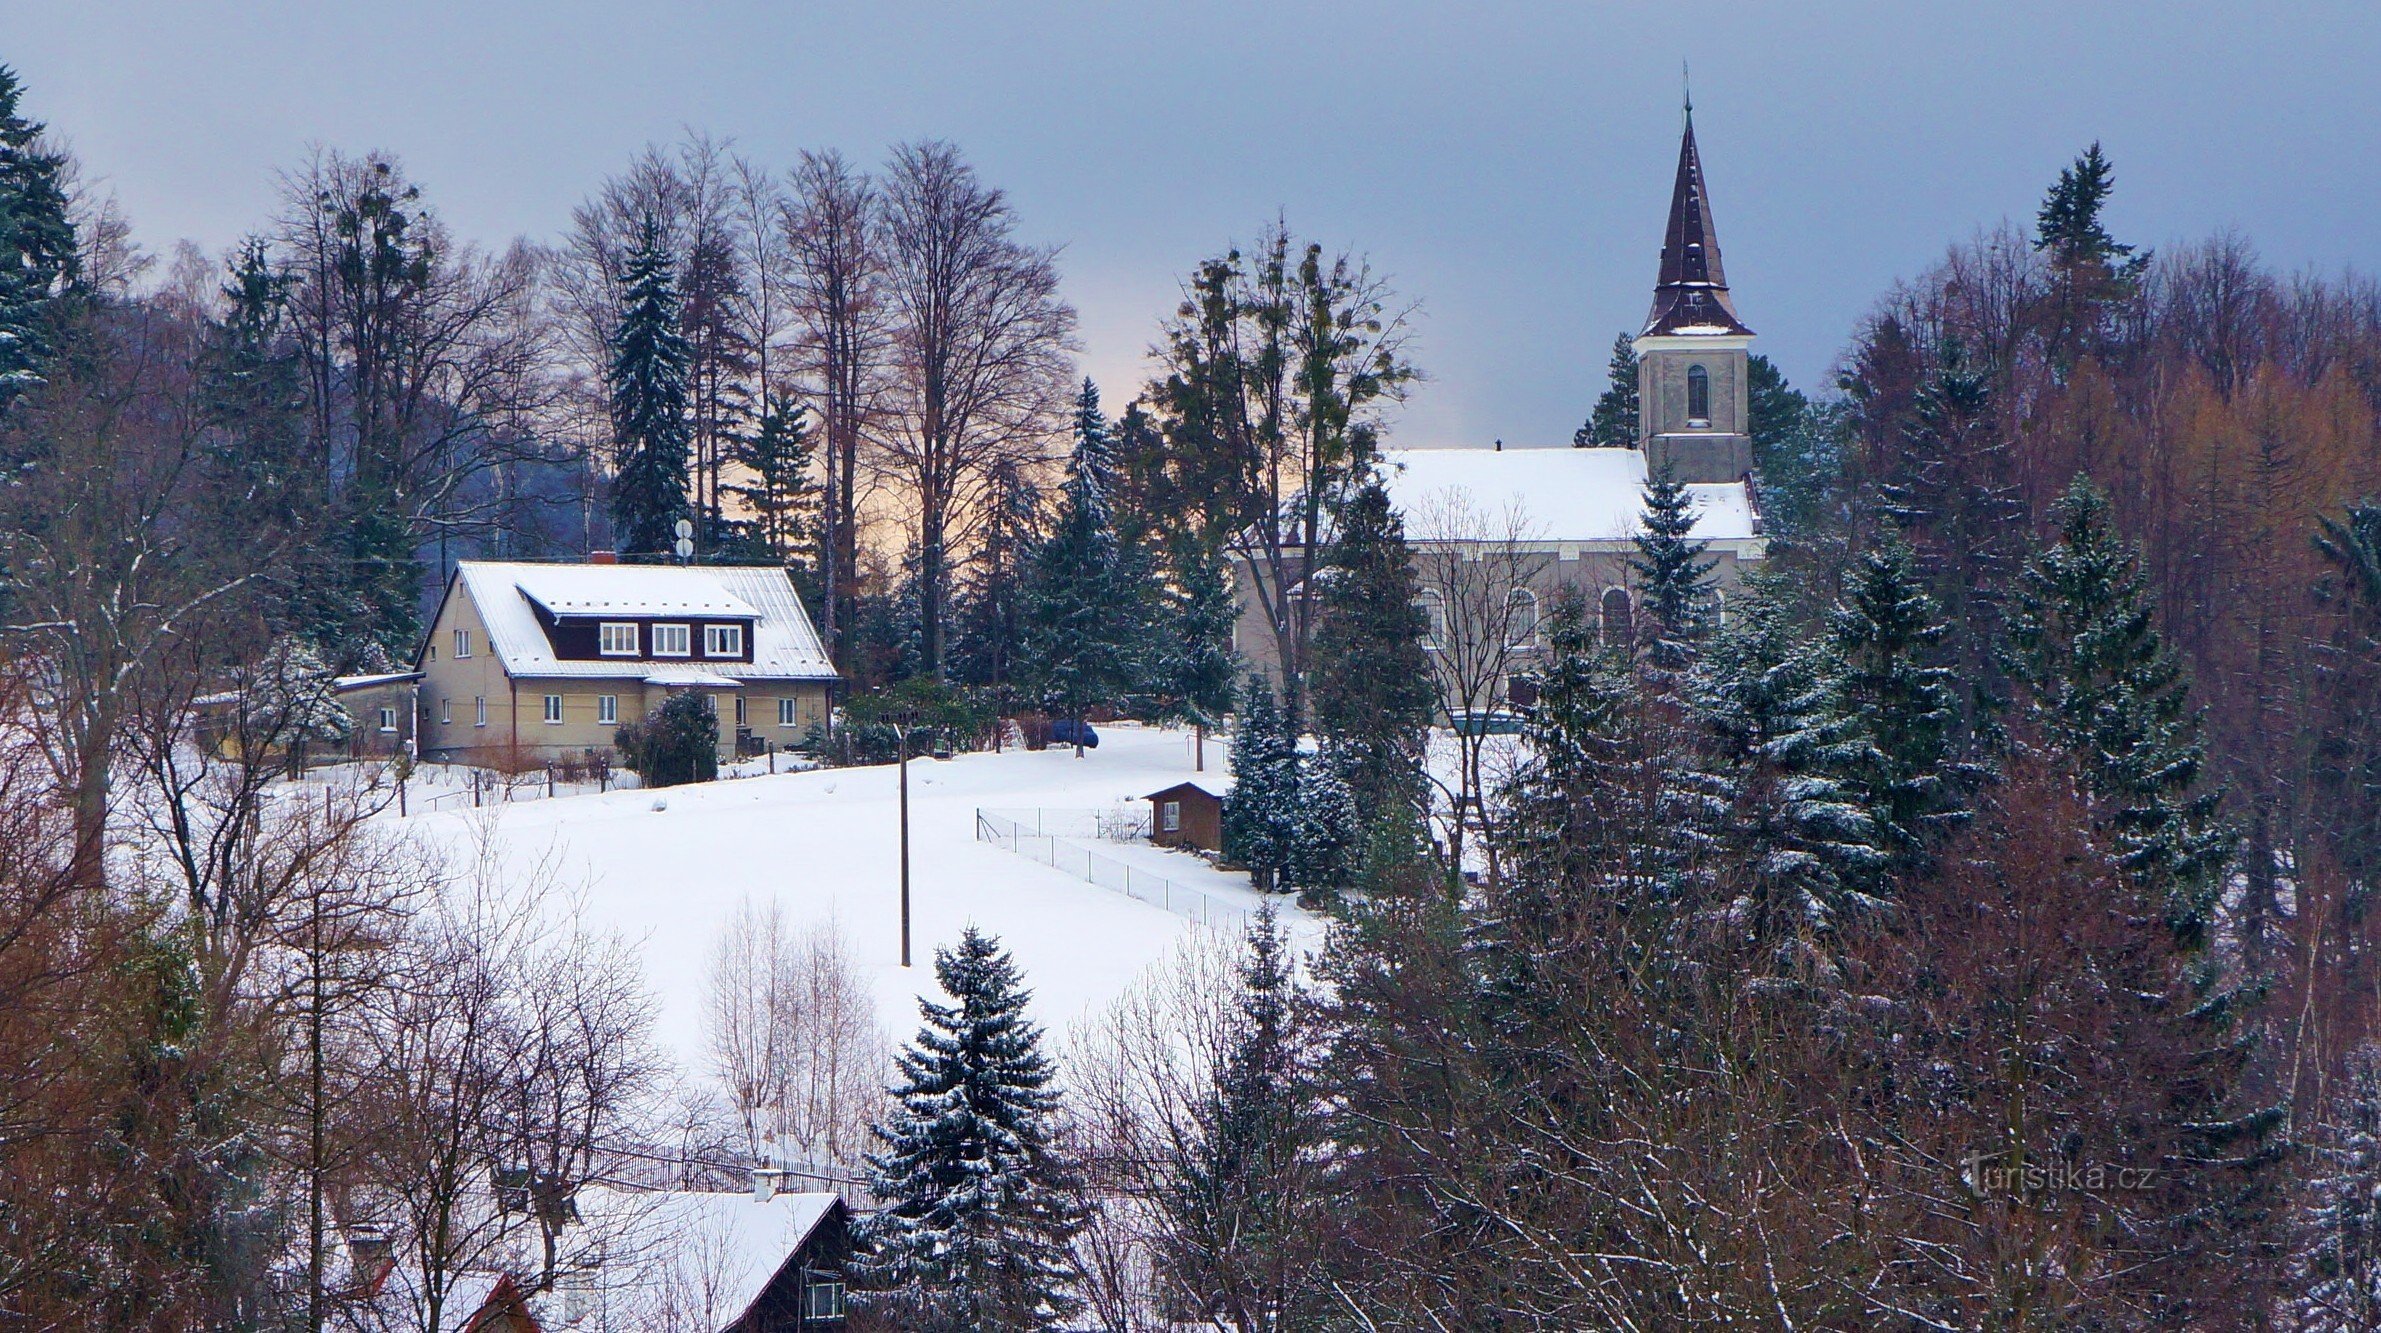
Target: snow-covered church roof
{"type": "Point", "coordinates": [1564, 494]}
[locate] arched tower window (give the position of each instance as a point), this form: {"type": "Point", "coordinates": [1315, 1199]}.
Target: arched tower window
{"type": "Point", "coordinates": [1698, 396]}
{"type": "Point", "coordinates": [1619, 620]}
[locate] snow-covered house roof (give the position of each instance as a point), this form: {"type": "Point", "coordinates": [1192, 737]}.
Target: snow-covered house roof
{"type": "Point", "coordinates": [510, 595]}
{"type": "Point", "coordinates": [1566, 495]}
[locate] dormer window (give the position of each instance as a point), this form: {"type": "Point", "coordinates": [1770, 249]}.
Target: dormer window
{"type": "Point", "coordinates": [1698, 396]}
{"type": "Point", "coordinates": [617, 638]}
{"type": "Point", "coordinates": [672, 640]}
{"type": "Point", "coordinates": [723, 640]}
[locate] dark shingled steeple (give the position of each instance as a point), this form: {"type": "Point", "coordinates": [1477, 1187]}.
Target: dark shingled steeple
{"type": "Point", "coordinates": [1692, 294]}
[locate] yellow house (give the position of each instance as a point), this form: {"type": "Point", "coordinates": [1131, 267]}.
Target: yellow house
{"type": "Point", "coordinates": [526, 662]}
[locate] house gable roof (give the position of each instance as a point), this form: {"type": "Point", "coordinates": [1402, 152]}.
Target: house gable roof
{"type": "Point", "coordinates": [509, 595]}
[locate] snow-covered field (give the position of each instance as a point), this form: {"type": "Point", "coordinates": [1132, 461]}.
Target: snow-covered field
{"type": "Point", "coordinates": [824, 845]}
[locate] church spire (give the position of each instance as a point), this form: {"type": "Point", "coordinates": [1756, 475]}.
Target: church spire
{"type": "Point", "coordinates": [1691, 296]}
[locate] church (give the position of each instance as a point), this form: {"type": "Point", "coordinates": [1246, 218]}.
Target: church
{"type": "Point", "coordinates": [1535, 521]}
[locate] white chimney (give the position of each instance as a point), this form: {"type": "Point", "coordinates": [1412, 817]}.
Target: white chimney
{"type": "Point", "coordinates": [764, 1184]}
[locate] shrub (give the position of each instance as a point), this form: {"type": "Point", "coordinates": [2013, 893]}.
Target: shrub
{"type": "Point", "coordinates": [678, 743]}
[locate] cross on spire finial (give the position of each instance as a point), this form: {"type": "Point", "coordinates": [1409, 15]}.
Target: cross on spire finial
{"type": "Point", "coordinates": [1686, 91]}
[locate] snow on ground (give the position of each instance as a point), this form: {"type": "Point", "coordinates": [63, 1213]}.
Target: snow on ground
{"type": "Point", "coordinates": [823, 844]}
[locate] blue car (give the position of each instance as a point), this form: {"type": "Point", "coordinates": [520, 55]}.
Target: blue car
{"type": "Point", "coordinates": [1067, 731]}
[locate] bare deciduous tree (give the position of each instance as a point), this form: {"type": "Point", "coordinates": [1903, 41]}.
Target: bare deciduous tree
{"type": "Point", "coordinates": [1478, 571]}
{"type": "Point", "coordinates": [979, 357]}
{"type": "Point", "coordinates": [795, 1040]}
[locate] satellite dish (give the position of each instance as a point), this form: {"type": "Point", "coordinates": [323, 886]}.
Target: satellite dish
{"type": "Point", "coordinates": [685, 528]}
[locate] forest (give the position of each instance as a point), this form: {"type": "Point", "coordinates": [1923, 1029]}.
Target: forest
{"type": "Point", "coordinates": [1969, 924]}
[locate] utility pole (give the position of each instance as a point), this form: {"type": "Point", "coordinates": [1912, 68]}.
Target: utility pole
{"type": "Point", "coordinates": [901, 738]}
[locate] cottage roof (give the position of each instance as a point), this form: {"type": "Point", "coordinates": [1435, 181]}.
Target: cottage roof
{"type": "Point", "coordinates": [1563, 494]}
{"type": "Point", "coordinates": [744, 1242]}
{"type": "Point", "coordinates": [1179, 789]}
{"type": "Point", "coordinates": [509, 593]}
{"type": "Point", "coordinates": [1690, 296]}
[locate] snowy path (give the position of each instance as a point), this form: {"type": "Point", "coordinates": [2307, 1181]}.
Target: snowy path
{"type": "Point", "coordinates": [823, 844]}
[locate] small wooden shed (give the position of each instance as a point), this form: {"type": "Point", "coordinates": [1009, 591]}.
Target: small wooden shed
{"type": "Point", "coordinates": [1186, 815]}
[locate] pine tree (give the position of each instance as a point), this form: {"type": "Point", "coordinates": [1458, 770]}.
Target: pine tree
{"type": "Point", "coordinates": [1890, 638]}
{"type": "Point", "coordinates": [1612, 422]}
{"type": "Point", "coordinates": [1373, 701]}
{"type": "Point", "coordinates": [776, 459]}
{"type": "Point", "coordinates": [1237, 1212]}
{"type": "Point", "coordinates": [1260, 812]}
{"type": "Point", "coordinates": [2337, 1265]}
{"type": "Point", "coordinates": [37, 252]}
{"type": "Point", "coordinates": [979, 1203]}
{"type": "Point", "coordinates": [1090, 600]}
{"type": "Point", "coordinates": [2109, 691]}
{"type": "Point", "coordinates": [648, 377]}
{"type": "Point", "coordinates": [1674, 588]}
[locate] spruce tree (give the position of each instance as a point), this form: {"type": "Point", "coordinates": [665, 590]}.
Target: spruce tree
{"type": "Point", "coordinates": [2336, 1267]}
{"type": "Point", "coordinates": [979, 1203]}
{"type": "Point", "coordinates": [1196, 667]}
{"type": "Point", "coordinates": [2107, 689]}
{"type": "Point", "coordinates": [1612, 422]}
{"type": "Point", "coordinates": [1260, 812]}
{"type": "Point", "coordinates": [2348, 729]}
{"type": "Point", "coordinates": [1950, 492]}
{"type": "Point", "coordinates": [990, 606]}
{"type": "Point", "coordinates": [1091, 599]}
{"type": "Point", "coordinates": [2068, 228]}
{"type": "Point", "coordinates": [649, 372]}
{"type": "Point", "coordinates": [778, 490]}
{"type": "Point", "coordinates": [37, 252]}
{"type": "Point", "coordinates": [1374, 699]}
{"type": "Point", "coordinates": [1673, 575]}
{"type": "Point", "coordinates": [1794, 451]}
{"type": "Point", "coordinates": [1890, 638]}
{"type": "Point", "coordinates": [1326, 828]}
{"type": "Point", "coordinates": [1238, 1211]}
{"type": "Point", "coordinates": [1785, 749]}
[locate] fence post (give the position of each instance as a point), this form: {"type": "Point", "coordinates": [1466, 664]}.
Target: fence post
{"type": "Point", "coordinates": [549, 779]}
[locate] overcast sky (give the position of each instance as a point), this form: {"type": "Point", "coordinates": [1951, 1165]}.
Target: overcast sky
{"type": "Point", "coordinates": [1508, 165]}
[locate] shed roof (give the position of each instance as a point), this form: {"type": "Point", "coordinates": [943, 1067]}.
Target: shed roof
{"type": "Point", "coordinates": [1180, 788]}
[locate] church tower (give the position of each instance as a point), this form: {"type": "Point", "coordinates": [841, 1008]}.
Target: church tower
{"type": "Point", "coordinates": [1692, 406]}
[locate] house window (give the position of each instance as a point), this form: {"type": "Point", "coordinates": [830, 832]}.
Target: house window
{"type": "Point", "coordinates": [554, 709]}
{"type": "Point", "coordinates": [1521, 619]}
{"type": "Point", "coordinates": [446, 712]}
{"type": "Point", "coordinates": [672, 641]}
{"type": "Point", "coordinates": [1698, 396]}
{"type": "Point", "coordinates": [607, 709]}
{"type": "Point", "coordinates": [739, 710]}
{"type": "Point", "coordinates": [1619, 620]}
{"type": "Point", "coordinates": [616, 638]}
{"type": "Point", "coordinates": [388, 720]}
{"type": "Point", "coordinates": [787, 714]}
{"type": "Point", "coordinates": [479, 710]}
{"type": "Point", "coordinates": [822, 1300]}
{"type": "Point", "coordinates": [1434, 618]}
{"type": "Point", "coordinates": [462, 644]}
{"type": "Point", "coordinates": [723, 640]}
{"type": "Point", "coordinates": [1169, 817]}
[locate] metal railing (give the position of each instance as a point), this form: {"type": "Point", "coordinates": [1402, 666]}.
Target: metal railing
{"type": "Point", "coordinates": [1051, 837]}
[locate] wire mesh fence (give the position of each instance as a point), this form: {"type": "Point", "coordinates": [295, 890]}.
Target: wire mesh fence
{"type": "Point", "coordinates": [1054, 838]}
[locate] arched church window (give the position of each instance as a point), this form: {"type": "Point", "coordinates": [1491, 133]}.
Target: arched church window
{"type": "Point", "coordinates": [1698, 396]}
{"type": "Point", "coordinates": [1521, 619]}
{"type": "Point", "coordinates": [1434, 616]}
{"type": "Point", "coordinates": [1619, 620]}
